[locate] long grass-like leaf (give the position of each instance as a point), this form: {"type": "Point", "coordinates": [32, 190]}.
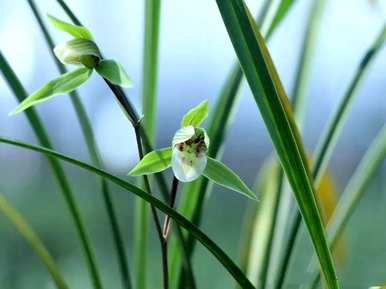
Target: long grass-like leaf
{"type": "Point", "coordinates": [217, 252]}
{"type": "Point", "coordinates": [356, 187]}
{"type": "Point", "coordinates": [329, 137]}
{"type": "Point", "coordinates": [34, 241]}
{"type": "Point", "coordinates": [274, 107]}
{"type": "Point", "coordinates": [59, 173]}
{"type": "Point", "coordinates": [298, 101]}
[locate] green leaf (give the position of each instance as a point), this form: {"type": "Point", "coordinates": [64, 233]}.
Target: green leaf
{"type": "Point", "coordinates": [351, 196]}
{"type": "Point", "coordinates": [224, 176]}
{"type": "Point", "coordinates": [153, 162]}
{"type": "Point", "coordinates": [114, 72]}
{"type": "Point", "coordinates": [63, 84]}
{"type": "Point", "coordinates": [273, 104]}
{"type": "Point", "coordinates": [34, 241]}
{"type": "Point", "coordinates": [212, 247]}
{"type": "Point", "coordinates": [196, 115]}
{"type": "Point", "coordinates": [77, 31]}
{"type": "Point", "coordinates": [78, 51]}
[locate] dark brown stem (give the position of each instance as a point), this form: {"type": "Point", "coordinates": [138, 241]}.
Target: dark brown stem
{"type": "Point", "coordinates": [173, 195]}
{"type": "Point", "coordinates": [135, 121]}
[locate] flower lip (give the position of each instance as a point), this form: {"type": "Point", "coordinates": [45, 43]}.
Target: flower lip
{"type": "Point", "coordinates": [189, 153]}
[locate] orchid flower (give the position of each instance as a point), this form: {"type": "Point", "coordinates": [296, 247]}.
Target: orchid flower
{"type": "Point", "coordinates": [81, 51]}
{"type": "Point", "coordinates": [188, 157]}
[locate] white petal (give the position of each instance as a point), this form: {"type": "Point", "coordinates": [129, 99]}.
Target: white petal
{"type": "Point", "coordinates": [185, 172]}
{"type": "Point", "coordinates": [183, 134]}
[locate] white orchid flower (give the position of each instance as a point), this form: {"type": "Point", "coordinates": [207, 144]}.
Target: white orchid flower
{"type": "Point", "coordinates": [188, 156]}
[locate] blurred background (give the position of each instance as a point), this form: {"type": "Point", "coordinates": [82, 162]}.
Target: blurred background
{"type": "Point", "coordinates": [195, 56]}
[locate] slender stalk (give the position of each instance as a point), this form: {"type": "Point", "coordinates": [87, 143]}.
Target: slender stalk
{"type": "Point", "coordinates": [173, 195]}
{"type": "Point", "coordinates": [34, 241]}
{"type": "Point", "coordinates": [329, 137]}
{"type": "Point", "coordinates": [299, 93]}
{"type": "Point", "coordinates": [131, 114]}
{"type": "Point", "coordinates": [58, 170]}
{"type": "Point", "coordinates": [94, 156]}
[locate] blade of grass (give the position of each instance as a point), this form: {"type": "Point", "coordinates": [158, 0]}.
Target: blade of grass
{"type": "Point", "coordinates": [356, 186]}
{"type": "Point", "coordinates": [59, 173]}
{"type": "Point", "coordinates": [212, 247]}
{"type": "Point", "coordinates": [193, 198]}
{"type": "Point", "coordinates": [34, 241]}
{"type": "Point", "coordinates": [149, 105]}
{"type": "Point", "coordinates": [94, 155]}
{"type": "Point", "coordinates": [274, 107]}
{"type": "Point", "coordinates": [329, 138]}
{"type": "Point", "coordinates": [299, 93]}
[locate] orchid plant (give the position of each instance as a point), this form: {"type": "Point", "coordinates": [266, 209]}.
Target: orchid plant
{"type": "Point", "coordinates": [83, 52]}
{"type": "Point", "coordinates": [188, 156]}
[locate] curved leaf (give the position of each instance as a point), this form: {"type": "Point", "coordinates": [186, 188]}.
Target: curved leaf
{"type": "Point", "coordinates": [153, 162]}
{"type": "Point", "coordinates": [222, 175]}
{"type": "Point", "coordinates": [273, 104]}
{"type": "Point", "coordinates": [30, 236]}
{"type": "Point", "coordinates": [220, 255]}
{"type": "Point", "coordinates": [63, 84]}
{"type": "Point", "coordinates": [114, 72]}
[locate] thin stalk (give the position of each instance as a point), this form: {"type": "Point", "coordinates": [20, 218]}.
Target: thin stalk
{"type": "Point", "coordinates": [299, 93]}
{"type": "Point", "coordinates": [173, 196]}
{"type": "Point", "coordinates": [130, 113]}
{"type": "Point", "coordinates": [59, 173]}
{"type": "Point", "coordinates": [34, 241]}
{"type": "Point", "coordinates": [329, 137]}
{"type": "Point", "coordinates": [88, 135]}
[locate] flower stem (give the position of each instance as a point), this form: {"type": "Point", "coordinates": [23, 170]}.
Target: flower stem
{"type": "Point", "coordinates": [173, 196]}
{"type": "Point", "coordinates": [135, 121]}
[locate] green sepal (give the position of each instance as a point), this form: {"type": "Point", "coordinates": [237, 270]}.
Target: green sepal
{"type": "Point", "coordinates": [79, 32]}
{"type": "Point", "coordinates": [220, 174]}
{"type": "Point", "coordinates": [196, 115]}
{"type": "Point", "coordinates": [63, 84]}
{"type": "Point", "coordinates": [114, 72]}
{"type": "Point", "coordinates": [153, 162]}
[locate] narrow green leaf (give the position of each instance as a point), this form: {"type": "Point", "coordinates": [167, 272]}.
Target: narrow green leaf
{"type": "Point", "coordinates": [330, 135]}
{"type": "Point", "coordinates": [77, 31]}
{"type": "Point", "coordinates": [78, 51]}
{"type": "Point", "coordinates": [63, 84]}
{"type": "Point", "coordinates": [212, 247]}
{"type": "Point", "coordinates": [280, 14]}
{"type": "Point", "coordinates": [42, 136]}
{"type": "Point", "coordinates": [356, 187]}
{"type": "Point", "coordinates": [153, 162]}
{"type": "Point", "coordinates": [274, 107]}
{"type": "Point", "coordinates": [196, 115]}
{"type": "Point", "coordinates": [114, 72]}
{"type": "Point", "coordinates": [34, 241]}
{"type": "Point", "coordinates": [220, 174]}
